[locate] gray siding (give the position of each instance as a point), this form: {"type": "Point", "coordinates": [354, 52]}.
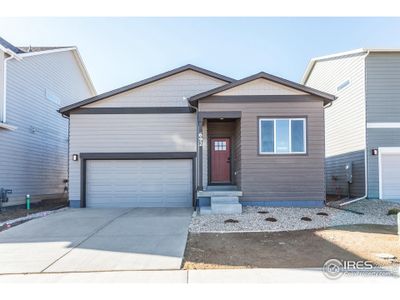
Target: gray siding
{"type": "Point", "coordinates": [383, 87]}
{"type": "Point", "coordinates": [279, 177]}
{"type": "Point", "coordinates": [260, 86]}
{"type": "Point", "coordinates": [141, 133]}
{"type": "Point", "coordinates": [335, 174]}
{"type": "Point", "coordinates": [128, 133]}
{"type": "Point", "coordinates": [383, 105]}
{"type": "Point", "coordinates": [237, 154]}
{"type": "Point", "coordinates": [34, 157]}
{"type": "Point", "coordinates": [164, 92]}
{"type": "Point", "coordinates": [205, 153]}
{"type": "Point", "coordinates": [344, 120]}
{"type": "Point", "coordinates": [389, 137]}
{"type": "Point", "coordinates": [2, 57]}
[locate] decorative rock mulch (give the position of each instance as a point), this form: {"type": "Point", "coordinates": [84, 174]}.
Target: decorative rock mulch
{"type": "Point", "coordinates": [253, 219]}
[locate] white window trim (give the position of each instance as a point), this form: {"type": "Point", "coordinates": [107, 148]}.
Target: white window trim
{"type": "Point", "coordinates": [381, 151]}
{"type": "Point", "coordinates": [290, 136]}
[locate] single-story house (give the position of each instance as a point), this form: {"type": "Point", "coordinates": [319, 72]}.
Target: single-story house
{"type": "Point", "coordinates": [191, 137]}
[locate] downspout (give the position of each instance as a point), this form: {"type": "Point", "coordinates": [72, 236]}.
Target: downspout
{"type": "Point", "coordinates": [4, 114]}
{"type": "Point", "coordinates": [365, 149]}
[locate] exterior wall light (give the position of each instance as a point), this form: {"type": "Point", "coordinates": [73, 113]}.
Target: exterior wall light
{"type": "Point", "coordinates": [75, 157]}
{"type": "Point", "coordinates": [374, 151]}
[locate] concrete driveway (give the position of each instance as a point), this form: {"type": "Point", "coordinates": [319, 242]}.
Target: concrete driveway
{"type": "Point", "coordinates": [86, 239]}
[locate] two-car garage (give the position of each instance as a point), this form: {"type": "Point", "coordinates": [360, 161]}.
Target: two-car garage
{"type": "Point", "coordinates": [155, 182]}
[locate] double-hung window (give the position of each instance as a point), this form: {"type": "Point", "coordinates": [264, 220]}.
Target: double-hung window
{"type": "Point", "coordinates": [282, 136]}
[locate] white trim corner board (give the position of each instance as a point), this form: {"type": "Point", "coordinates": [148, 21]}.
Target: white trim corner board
{"type": "Point", "coordinates": [383, 125]}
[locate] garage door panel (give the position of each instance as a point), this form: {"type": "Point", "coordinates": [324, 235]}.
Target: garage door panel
{"type": "Point", "coordinates": [390, 172]}
{"type": "Point", "coordinates": [139, 183]}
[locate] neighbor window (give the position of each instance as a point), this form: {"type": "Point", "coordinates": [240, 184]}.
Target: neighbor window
{"type": "Point", "coordinates": [282, 136]}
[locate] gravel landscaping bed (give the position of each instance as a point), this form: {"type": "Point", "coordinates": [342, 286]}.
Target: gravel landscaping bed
{"type": "Point", "coordinates": [288, 219]}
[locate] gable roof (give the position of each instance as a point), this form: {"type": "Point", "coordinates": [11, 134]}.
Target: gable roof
{"type": "Point", "coordinates": [326, 97]}
{"type": "Point", "coordinates": [4, 45]}
{"type": "Point", "coordinates": [20, 53]}
{"type": "Point", "coordinates": [314, 60]}
{"type": "Point", "coordinates": [65, 110]}
{"type": "Point", "coordinates": [26, 49]}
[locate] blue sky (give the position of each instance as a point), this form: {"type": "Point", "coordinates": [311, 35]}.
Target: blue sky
{"type": "Point", "coordinates": [119, 51]}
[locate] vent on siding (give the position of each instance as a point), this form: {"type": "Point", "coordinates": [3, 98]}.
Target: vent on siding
{"type": "Point", "coordinates": [52, 97]}
{"type": "Point", "coordinates": [343, 85]}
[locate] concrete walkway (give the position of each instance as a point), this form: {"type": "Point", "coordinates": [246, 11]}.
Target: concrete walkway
{"type": "Point", "coordinates": [194, 276]}
{"type": "Point", "coordinates": [86, 240]}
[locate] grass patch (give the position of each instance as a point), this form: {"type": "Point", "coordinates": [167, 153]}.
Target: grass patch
{"type": "Point", "coordinates": [393, 211]}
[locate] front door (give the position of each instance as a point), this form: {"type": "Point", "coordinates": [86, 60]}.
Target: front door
{"type": "Point", "coordinates": [220, 160]}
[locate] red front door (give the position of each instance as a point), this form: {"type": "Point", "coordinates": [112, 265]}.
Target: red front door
{"type": "Point", "coordinates": [220, 160]}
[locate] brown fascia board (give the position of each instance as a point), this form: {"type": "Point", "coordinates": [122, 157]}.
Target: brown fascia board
{"type": "Point", "coordinates": [327, 97]}
{"type": "Point", "coordinates": [66, 109]}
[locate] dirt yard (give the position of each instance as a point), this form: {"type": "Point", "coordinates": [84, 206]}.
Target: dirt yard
{"type": "Point", "coordinates": [294, 249]}
{"type": "Point", "coordinates": [14, 212]}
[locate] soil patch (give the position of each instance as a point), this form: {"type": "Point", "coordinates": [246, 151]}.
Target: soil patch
{"type": "Point", "coordinates": [291, 249]}
{"type": "Point", "coordinates": [14, 212]}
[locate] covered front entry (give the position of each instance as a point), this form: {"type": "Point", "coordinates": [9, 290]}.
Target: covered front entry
{"type": "Point", "coordinates": [218, 191]}
{"type": "Point", "coordinates": [222, 151]}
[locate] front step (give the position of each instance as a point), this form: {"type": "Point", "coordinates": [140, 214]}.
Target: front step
{"type": "Point", "coordinates": [224, 200]}
{"type": "Point", "coordinates": [205, 210]}
{"type": "Point", "coordinates": [219, 194]}
{"type": "Point", "coordinates": [226, 209]}
{"type": "Point", "coordinates": [223, 205]}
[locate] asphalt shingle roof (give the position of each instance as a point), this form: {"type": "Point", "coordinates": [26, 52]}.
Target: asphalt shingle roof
{"type": "Point", "coordinates": [27, 49]}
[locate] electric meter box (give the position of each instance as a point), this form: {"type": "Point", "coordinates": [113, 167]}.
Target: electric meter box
{"type": "Point", "coordinates": [349, 172]}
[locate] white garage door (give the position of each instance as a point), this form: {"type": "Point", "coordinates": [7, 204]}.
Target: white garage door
{"type": "Point", "coordinates": [139, 183]}
{"type": "Point", "coordinates": [390, 176]}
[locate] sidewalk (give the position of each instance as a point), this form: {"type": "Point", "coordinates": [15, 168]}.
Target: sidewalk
{"type": "Point", "coordinates": [190, 276]}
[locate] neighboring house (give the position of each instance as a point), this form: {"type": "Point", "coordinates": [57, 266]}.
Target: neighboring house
{"type": "Point", "coordinates": [191, 134]}
{"type": "Point", "coordinates": [35, 82]}
{"type": "Point", "coordinates": [363, 124]}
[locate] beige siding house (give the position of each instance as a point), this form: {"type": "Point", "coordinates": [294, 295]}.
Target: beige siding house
{"type": "Point", "coordinates": [35, 83]}
{"type": "Point", "coordinates": [191, 137]}
{"type": "Point", "coordinates": [362, 126]}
